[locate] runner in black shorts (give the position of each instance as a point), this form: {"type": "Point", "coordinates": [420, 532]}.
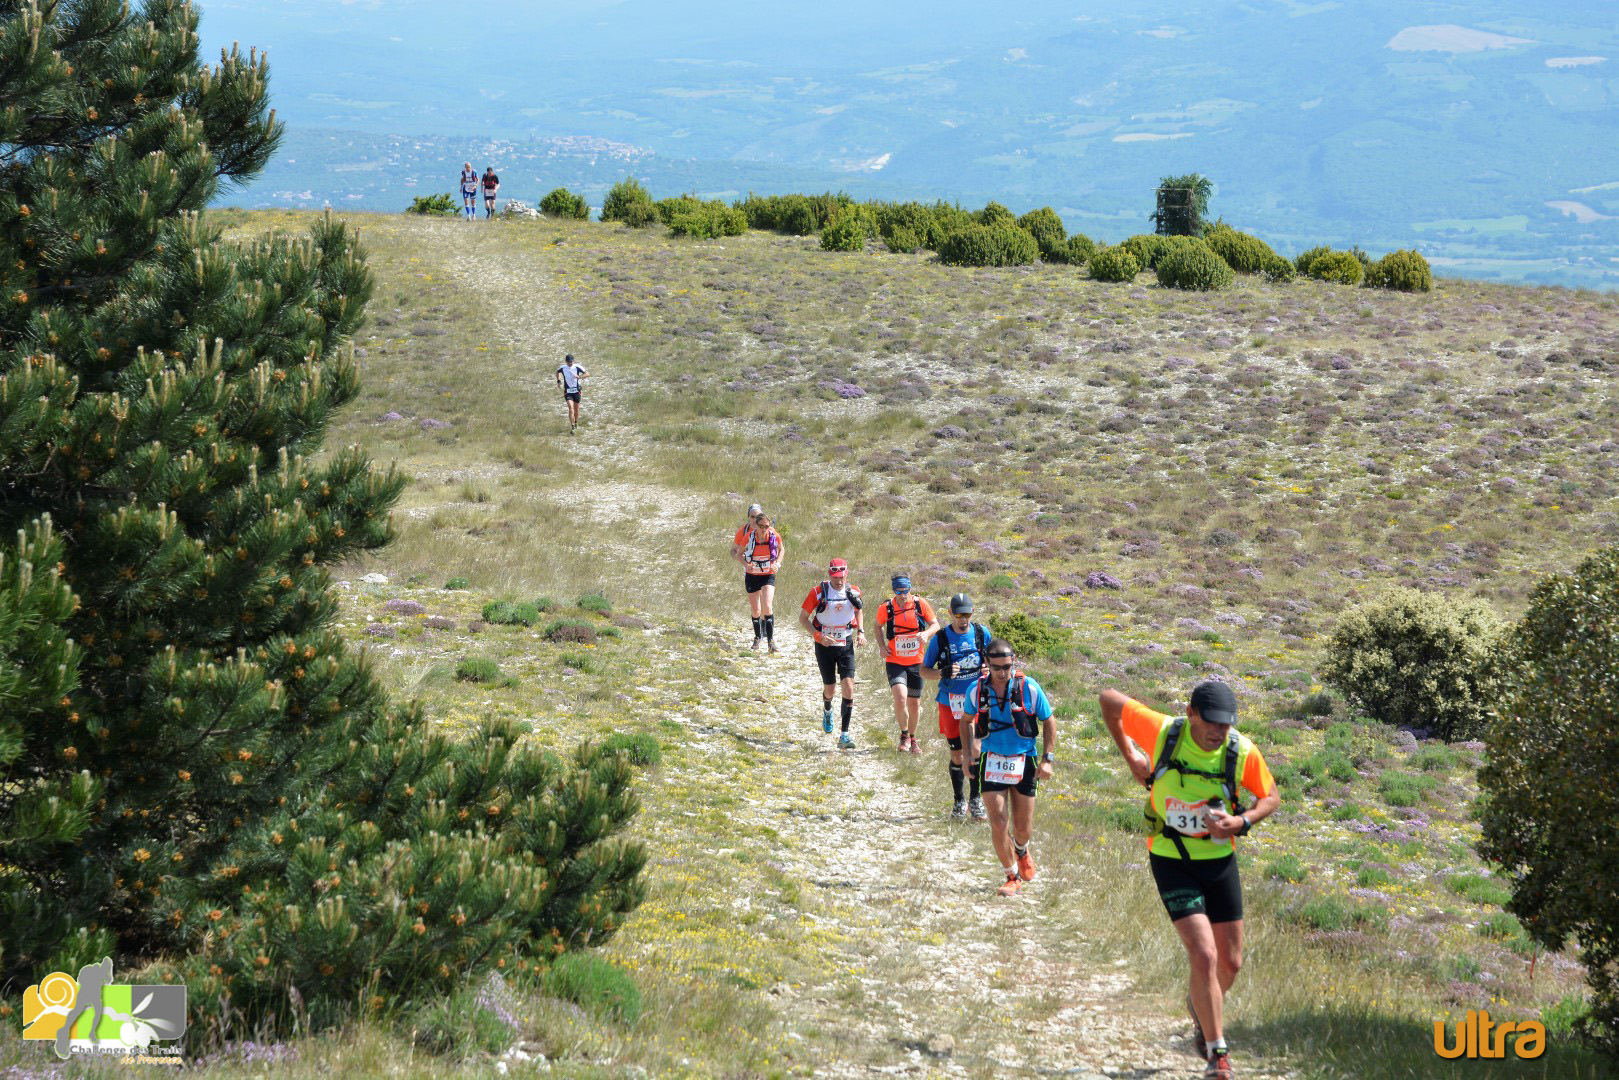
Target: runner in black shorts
{"type": "Point", "coordinates": [760, 549]}
{"type": "Point", "coordinates": [569, 376]}
{"type": "Point", "coordinates": [831, 615]}
{"type": "Point", "coordinates": [1195, 769]}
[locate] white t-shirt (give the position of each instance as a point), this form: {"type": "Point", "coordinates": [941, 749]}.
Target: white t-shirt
{"type": "Point", "coordinates": [839, 612]}
{"type": "Point", "coordinates": [570, 376]}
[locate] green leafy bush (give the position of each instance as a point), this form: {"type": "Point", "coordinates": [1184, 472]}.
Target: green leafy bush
{"type": "Point", "coordinates": [1306, 259]}
{"type": "Point", "coordinates": [1243, 252]}
{"type": "Point", "coordinates": [707, 220]}
{"type": "Point", "coordinates": [1278, 271]}
{"type": "Point", "coordinates": [456, 583]}
{"type": "Point", "coordinates": [994, 214]}
{"type": "Point", "coordinates": [596, 603]}
{"type": "Point", "coordinates": [1030, 637]}
{"type": "Point", "coordinates": [594, 984]}
{"type": "Point", "coordinates": [562, 203]}
{"type": "Point", "coordinates": [845, 232]}
{"type": "Point", "coordinates": [461, 1024]}
{"type": "Point", "coordinates": [989, 245]}
{"type": "Point", "coordinates": [510, 613]}
{"type": "Point", "coordinates": [1337, 267]}
{"type": "Point", "coordinates": [795, 215]}
{"type": "Point", "coordinates": [1479, 888]}
{"type": "Point", "coordinates": [1405, 271]}
{"type": "Point", "coordinates": [1002, 583]}
{"type": "Point", "coordinates": [442, 203]}
{"type": "Point", "coordinates": [630, 203]}
{"type": "Point", "coordinates": [1403, 788]}
{"type": "Point", "coordinates": [1147, 247]}
{"type": "Point", "coordinates": [902, 241]}
{"type": "Point", "coordinates": [1549, 786]}
{"type": "Point", "coordinates": [1048, 232]}
{"type": "Point", "coordinates": [1077, 251]}
{"type": "Point", "coordinates": [1116, 264]}
{"type": "Point", "coordinates": [642, 749]}
{"type": "Point", "coordinates": [1417, 659]}
{"type": "Point", "coordinates": [1194, 266]}
{"type": "Point", "coordinates": [477, 669]}
{"type": "Point", "coordinates": [1287, 868]}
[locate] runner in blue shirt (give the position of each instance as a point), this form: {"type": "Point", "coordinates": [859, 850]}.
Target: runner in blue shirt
{"type": "Point", "coordinates": [469, 190]}
{"type": "Point", "coordinates": [1007, 710]}
{"type": "Point", "coordinates": [960, 645]}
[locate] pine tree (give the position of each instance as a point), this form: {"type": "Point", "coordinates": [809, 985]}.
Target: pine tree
{"type": "Point", "coordinates": [232, 788]}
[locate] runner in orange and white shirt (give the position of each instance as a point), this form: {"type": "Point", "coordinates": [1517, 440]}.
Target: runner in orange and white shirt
{"type": "Point", "coordinates": [904, 625]}
{"type": "Point", "coordinates": [831, 615]}
{"type": "Point", "coordinates": [759, 548]}
{"type": "Point", "coordinates": [1195, 769]}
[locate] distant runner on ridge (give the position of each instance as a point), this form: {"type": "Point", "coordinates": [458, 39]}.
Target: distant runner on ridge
{"type": "Point", "coordinates": [569, 375]}
{"type": "Point", "coordinates": [469, 191]}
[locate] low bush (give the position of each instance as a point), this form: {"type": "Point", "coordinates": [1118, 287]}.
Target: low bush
{"type": "Point", "coordinates": [1403, 788]}
{"type": "Point", "coordinates": [1148, 248]}
{"type": "Point", "coordinates": [510, 613]}
{"type": "Point", "coordinates": [1003, 583]}
{"type": "Point", "coordinates": [1434, 759]}
{"type": "Point", "coordinates": [1331, 913]}
{"type": "Point", "coordinates": [994, 214]}
{"type": "Point", "coordinates": [579, 661]}
{"type": "Point", "coordinates": [1287, 868]}
{"type": "Point", "coordinates": [1278, 271]}
{"type": "Point", "coordinates": [1337, 267]}
{"type": "Point", "coordinates": [845, 232]}
{"type": "Point", "coordinates": [1479, 888]}
{"type": "Point", "coordinates": [902, 241]}
{"type": "Point", "coordinates": [442, 203]}
{"type": "Point", "coordinates": [1193, 266]}
{"type": "Point", "coordinates": [596, 603]}
{"type": "Point", "coordinates": [1048, 232]}
{"type": "Point", "coordinates": [575, 631]}
{"type": "Point", "coordinates": [641, 749]}
{"type": "Point", "coordinates": [1243, 252]}
{"type": "Point", "coordinates": [596, 985]}
{"type": "Point", "coordinates": [1078, 250]}
{"type": "Point", "coordinates": [1116, 264]}
{"type": "Point", "coordinates": [562, 203]}
{"type": "Point", "coordinates": [705, 220]}
{"type": "Point", "coordinates": [456, 583]}
{"type": "Point", "coordinates": [1405, 271]}
{"type": "Point", "coordinates": [630, 203]}
{"type": "Point", "coordinates": [1417, 659]}
{"type": "Point", "coordinates": [477, 669]}
{"type": "Point", "coordinates": [795, 215]}
{"type": "Point", "coordinates": [1306, 259]}
{"type": "Point", "coordinates": [989, 245]}
{"type": "Point", "coordinates": [1030, 637]}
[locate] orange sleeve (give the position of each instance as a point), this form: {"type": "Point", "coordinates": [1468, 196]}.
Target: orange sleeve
{"type": "Point", "coordinates": [741, 536]}
{"type": "Point", "coordinates": [1143, 724]}
{"type": "Point", "coordinates": [810, 600]}
{"type": "Point", "coordinates": [926, 610]}
{"type": "Point", "coordinates": [1256, 775]}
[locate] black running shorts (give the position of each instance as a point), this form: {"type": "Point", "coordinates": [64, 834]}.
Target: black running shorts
{"type": "Point", "coordinates": [1198, 887]}
{"type": "Point", "coordinates": [909, 674]}
{"type": "Point", "coordinates": [570, 395]}
{"type": "Point", "coordinates": [754, 582]}
{"type": "Point", "coordinates": [835, 661]}
{"type": "Point", "coordinates": [1026, 786]}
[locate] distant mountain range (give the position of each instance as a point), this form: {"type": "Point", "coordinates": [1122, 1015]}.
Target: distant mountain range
{"type": "Point", "coordinates": [1485, 135]}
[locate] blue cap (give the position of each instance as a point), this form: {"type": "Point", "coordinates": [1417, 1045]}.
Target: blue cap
{"type": "Point", "coordinates": [900, 581]}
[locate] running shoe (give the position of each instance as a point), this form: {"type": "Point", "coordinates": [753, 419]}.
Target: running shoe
{"type": "Point", "coordinates": [1025, 866]}
{"type": "Point", "coordinates": [904, 742]}
{"type": "Point", "coordinates": [844, 742]}
{"type": "Point", "coordinates": [976, 808]}
{"type": "Point", "coordinates": [756, 641]}
{"type": "Point", "coordinates": [1199, 1043]}
{"type": "Point", "coordinates": [1219, 1067]}
{"type": "Point", "coordinates": [772, 648]}
{"type": "Point", "coordinates": [960, 810]}
{"type": "Point", "coordinates": [826, 721]}
{"type": "Point", "coordinates": [1010, 886]}
{"type": "Point", "coordinates": [915, 749]}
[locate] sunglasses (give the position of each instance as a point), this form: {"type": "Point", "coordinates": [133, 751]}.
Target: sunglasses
{"type": "Point", "coordinates": [1001, 667]}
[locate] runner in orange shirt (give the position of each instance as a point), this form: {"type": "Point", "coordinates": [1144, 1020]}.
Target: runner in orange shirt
{"type": "Point", "coordinates": [831, 615]}
{"type": "Point", "coordinates": [759, 549]}
{"type": "Point", "coordinates": [1194, 772]}
{"type": "Point", "coordinates": [904, 625]}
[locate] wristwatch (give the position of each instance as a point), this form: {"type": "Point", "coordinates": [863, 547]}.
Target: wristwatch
{"type": "Point", "coordinates": [1246, 825]}
{"type": "Point", "coordinates": [1049, 758]}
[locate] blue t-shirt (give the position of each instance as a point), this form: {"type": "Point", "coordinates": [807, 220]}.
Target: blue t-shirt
{"type": "Point", "coordinates": [1006, 740]}
{"type": "Point", "coordinates": [965, 660]}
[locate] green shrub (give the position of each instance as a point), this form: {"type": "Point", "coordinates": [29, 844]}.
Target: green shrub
{"type": "Point", "coordinates": [1324, 913]}
{"type": "Point", "coordinates": [1076, 252]}
{"type": "Point", "coordinates": [543, 604]}
{"type": "Point", "coordinates": [1405, 271]}
{"type": "Point", "coordinates": [989, 245]}
{"type": "Point", "coordinates": [562, 203]}
{"type": "Point", "coordinates": [795, 215]}
{"type": "Point", "coordinates": [1278, 271]}
{"type": "Point", "coordinates": [1403, 788]}
{"type": "Point", "coordinates": [1347, 811]}
{"type": "Point", "coordinates": [1549, 797]}
{"type": "Point", "coordinates": [675, 204]}
{"type": "Point", "coordinates": [1568, 1017]}
{"type": "Point", "coordinates": [845, 232]}
{"type": "Point", "coordinates": [456, 583]}
{"type": "Point", "coordinates": [1504, 927]}
{"type": "Point", "coordinates": [509, 613]}
{"type": "Point", "coordinates": [461, 1024]}
{"type": "Point", "coordinates": [442, 203]}
{"type": "Point", "coordinates": [1243, 252]}
{"type": "Point", "coordinates": [1434, 759]}
{"type": "Point", "coordinates": [1147, 247]}
{"type": "Point", "coordinates": [1479, 888]}
{"type": "Point", "coordinates": [1287, 868]}
{"type": "Point", "coordinates": [902, 241]}
{"type": "Point", "coordinates": [1193, 266]}
{"type": "Point", "coordinates": [994, 214]}
{"type": "Point", "coordinates": [1417, 659]}
{"type": "Point", "coordinates": [705, 220]}
{"type": "Point", "coordinates": [477, 669]}
{"type": "Point", "coordinates": [571, 630]}
{"type": "Point", "coordinates": [630, 203]}
{"type": "Point", "coordinates": [1048, 232]}
{"type": "Point", "coordinates": [594, 984]}
{"type": "Point", "coordinates": [1337, 267]}
{"type": "Point", "coordinates": [596, 603]}
{"type": "Point", "coordinates": [1029, 637]}
{"type": "Point", "coordinates": [1371, 875]}
{"type": "Point", "coordinates": [1001, 583]}
{"type": "Point", "coordinates": [1114, 264]}
{"type": "Point", "coordinates": [579, 661]}
{"type": "Point", "coordinates": [642, 749]}
{"type": "Point", "coordinates": [1319, 703]}
{"type": "Point", "coordinates": [1306, 259]}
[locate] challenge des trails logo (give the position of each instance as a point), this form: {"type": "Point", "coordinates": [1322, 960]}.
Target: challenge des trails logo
{"type": "Point", "coordinates": [94, 1015]}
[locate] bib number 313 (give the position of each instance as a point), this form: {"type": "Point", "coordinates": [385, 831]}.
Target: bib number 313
{"type": "Point", "coordinates": [1189, 819]}
{"type": "Point", "coordinates": [1004, 768]}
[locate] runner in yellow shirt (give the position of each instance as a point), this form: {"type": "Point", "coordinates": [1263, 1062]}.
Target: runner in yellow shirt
{"type": "Point", "coordinates": [1194, 769]}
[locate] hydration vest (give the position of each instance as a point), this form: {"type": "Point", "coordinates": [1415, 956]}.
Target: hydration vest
{"type": "Point", "coordinates": [1229, 792]}
{"type": "Point", "coordinates": [947, 662]}
{"type": "Point", "coordinates": [1024, 722]}
{"type": "Point", "coordinates": [850, 593]}
{"type": "Point", "coordinates": [916, 613]}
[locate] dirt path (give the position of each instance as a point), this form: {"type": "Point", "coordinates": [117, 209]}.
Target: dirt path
{"type": "Point", "coordinates": [908, 895]}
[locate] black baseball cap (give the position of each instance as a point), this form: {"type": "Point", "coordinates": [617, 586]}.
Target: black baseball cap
{"type": "Point", "coordinates": [961, 604]}
{"type": "Point", "coordinates": [1215, 702]}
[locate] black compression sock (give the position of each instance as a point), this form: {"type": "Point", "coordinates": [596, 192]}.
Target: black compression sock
{"type": "Point", "coordinates": [758, 628]}
{"type": "Point", "coordinates": [770, 628]}
{"type": "Point", "coordinates": [848, 712]}
{"type": "Point", "coordinates": [977, 787]}
{"type": "Point", "coordinates": [955, 780]}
